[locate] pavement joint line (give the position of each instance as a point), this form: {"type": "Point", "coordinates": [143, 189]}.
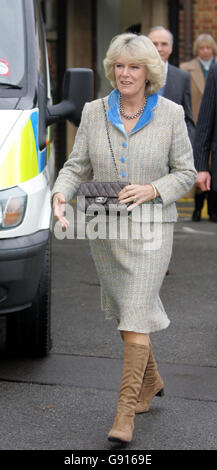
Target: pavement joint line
{"type": "Point", "coordinates": [85, 356]}
{"type": "Point", "coordinates": [119, 359]}
{"type": "Point", "coordinates": [185, 364]}
{"type": "Point", "coordinates": [58, 384]}
{"type": "Point", "coordinates": [115, 390]}
{"type": "Point", "coordinates": [205, 400]}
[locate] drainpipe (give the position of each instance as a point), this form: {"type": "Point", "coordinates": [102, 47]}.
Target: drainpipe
{"type": "Point", "coordinates": [174, 28]}
{"type": "Point", "coordinates": [188, 33]}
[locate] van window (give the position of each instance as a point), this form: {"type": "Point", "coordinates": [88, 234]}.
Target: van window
{"type": "Point", "coordinates": [12, 42]}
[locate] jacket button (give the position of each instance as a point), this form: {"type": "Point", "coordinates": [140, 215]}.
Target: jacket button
{"type": "Point", "coordinates": [122, 159]}
{"type": "Point", "coordinates": [123, 173]}
{"type": "Point", "coordinates": [124, 144]}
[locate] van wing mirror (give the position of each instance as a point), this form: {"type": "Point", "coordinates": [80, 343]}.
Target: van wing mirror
{"type": "Point", "coordinates": [77, 90]}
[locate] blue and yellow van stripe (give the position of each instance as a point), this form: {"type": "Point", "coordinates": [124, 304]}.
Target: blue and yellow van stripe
{"type": "Point", "coordinates": [24, 160]}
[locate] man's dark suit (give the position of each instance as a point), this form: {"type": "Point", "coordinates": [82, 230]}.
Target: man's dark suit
{"type": "Point", "coordinates": [206, 130]}
{"type": "Point", "coordinates": [178, 89]}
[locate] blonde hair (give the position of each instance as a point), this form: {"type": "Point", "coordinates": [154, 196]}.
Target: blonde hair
{"type": "Point", "coordinates": [204, 38]}
{"type": "Point", "coordinates": [136, 49]}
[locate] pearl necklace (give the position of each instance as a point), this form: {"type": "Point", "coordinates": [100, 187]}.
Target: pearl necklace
{"type": "Point", "coordinates": [132, 116]}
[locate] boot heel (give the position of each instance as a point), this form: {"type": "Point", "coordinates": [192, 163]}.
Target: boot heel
{"type": "Point", "coordinates": [160, 393]}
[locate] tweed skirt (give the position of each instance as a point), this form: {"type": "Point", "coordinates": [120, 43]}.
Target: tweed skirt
{"type": "Point", "coordinates": [131, 272]}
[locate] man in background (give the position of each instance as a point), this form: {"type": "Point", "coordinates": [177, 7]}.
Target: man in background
{"type": "Point", "coordinates": [206, 135]}
{"type": "Point", "coordinates": [178, 85]}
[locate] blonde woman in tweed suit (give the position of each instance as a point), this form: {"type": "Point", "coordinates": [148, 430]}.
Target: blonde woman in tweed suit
{"type": "Point", "coordinates": [152, 150]}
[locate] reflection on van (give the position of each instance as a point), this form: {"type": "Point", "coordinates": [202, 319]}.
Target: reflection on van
{"type": "Point", "coordinates": [12, 42]}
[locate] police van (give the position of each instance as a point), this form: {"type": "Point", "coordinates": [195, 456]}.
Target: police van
{"type": "Point", "coordinates": [27, 172]}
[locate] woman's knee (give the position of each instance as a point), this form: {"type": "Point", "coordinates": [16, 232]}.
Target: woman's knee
{"type": "Point", "coordinates": [133, 337]}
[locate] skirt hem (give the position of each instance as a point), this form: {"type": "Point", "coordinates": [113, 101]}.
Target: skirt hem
{"type": "Point", "coordinates": [155, 326]}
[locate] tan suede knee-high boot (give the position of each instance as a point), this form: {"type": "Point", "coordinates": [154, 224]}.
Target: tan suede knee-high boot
{"type": "Point", "coordinates": [152, 385]}
{"type": "Point", "coordinates": [135, 361]}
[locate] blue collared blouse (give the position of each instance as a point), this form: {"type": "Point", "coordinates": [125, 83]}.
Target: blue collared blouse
{"type": "Point", "coordinates": [115, 117]}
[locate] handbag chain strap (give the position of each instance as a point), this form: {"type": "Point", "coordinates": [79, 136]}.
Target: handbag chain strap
{"type": "Point", "coordinates": [109, 140]}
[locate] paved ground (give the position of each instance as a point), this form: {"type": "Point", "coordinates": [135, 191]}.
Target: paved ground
{"type": "Point", "coordinates": [68, 400]}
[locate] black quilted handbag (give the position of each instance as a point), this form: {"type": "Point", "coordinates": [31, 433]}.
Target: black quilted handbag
{"type": "Point", "coordinates": [102, 193]}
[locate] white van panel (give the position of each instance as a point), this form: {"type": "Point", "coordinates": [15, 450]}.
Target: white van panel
{"type": "Point", "coordinates": [8, 119]}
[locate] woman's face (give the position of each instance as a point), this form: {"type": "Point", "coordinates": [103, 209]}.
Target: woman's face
{"type": "Point", "coordinates": [205, 51]}
{"type": "Point", "coordinates": [130, 78]}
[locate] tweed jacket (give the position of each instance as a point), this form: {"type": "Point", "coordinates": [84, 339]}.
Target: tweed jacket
{"type": "Point", "coordinates": [157, 150]}
{"type": "Point", "coordinates": [206, 130]}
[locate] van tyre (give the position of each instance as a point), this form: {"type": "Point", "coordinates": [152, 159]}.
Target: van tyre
{"type": "Point", "coordinates": [29, 331]}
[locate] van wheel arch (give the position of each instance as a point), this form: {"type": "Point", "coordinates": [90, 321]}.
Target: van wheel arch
{"type": "Point", "coordinates": [29, 330]}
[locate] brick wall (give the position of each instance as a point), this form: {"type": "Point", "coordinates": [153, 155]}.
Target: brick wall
{"type": "Point", "coordinates": [205, 17]}
{"type": "Point", "coordinates": [204, 21]}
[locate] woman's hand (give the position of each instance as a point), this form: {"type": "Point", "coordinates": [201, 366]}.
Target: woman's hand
{"type": "Point", "coordinates": [59, 204]}
{"type": "Point", "coordinates": [137, 194]}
